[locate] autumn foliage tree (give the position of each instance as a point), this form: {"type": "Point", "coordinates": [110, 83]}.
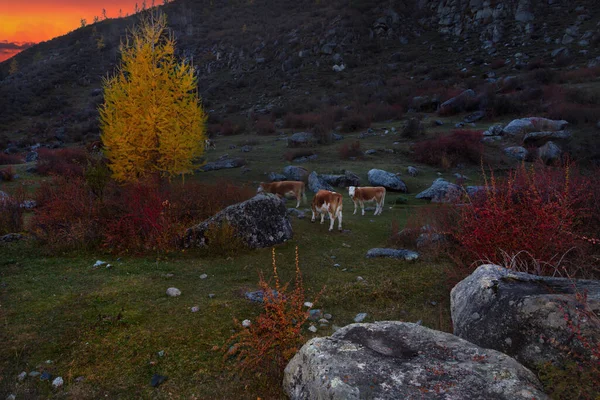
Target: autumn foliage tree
{"type": "Point", "coordinates": [152, 120]}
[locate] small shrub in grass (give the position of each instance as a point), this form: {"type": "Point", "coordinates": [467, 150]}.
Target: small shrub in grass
{"type": "Point", "coordinates": [223, 241]}
{"type": "Point", "coordinates": [576, 114]}
{"type": "Point", "coordinates": [9, 159]}
{"type": "Point", "coordinates": [377, 112]}
{"type": "Point", "coordinates": [413, 128]}
{"type": "Point", "coordinates": [11, 212]}
{"type": "Point", "coordinates": [460, 146]}
{"type": "Point", "coordinates": [7, 174]}
{"type": "Point", "coordinates": [276, 334]}
{"type": "Point", "coordinates": [350, 150]}
{"type": "Point", "coordinates": [229, 128]}
{"type": "Point", "coordinates": [64, 162]}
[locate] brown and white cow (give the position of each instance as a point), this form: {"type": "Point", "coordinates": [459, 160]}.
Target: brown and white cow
{"type": "Point", "coordinates": [286, 189]}
{"type": "Point", "coordinates": [328, 202]}
{"type": "Point", "coordinates": [362, 195]}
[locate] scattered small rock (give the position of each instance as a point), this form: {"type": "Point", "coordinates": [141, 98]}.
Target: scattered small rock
{"type": "Point", "coordinates": [360, 317]}
{"type": "Point", "coordinates": [336, 265]}
{"type": "Point", "coordinates": [45, 376]}
{"type": "Point", "coordinates": [161, 353]}
{"type": "Point", "coordinates": [195, 309]}
{"type": "Point", "coordinates": [246, 323]}
{"type": "Point", "coordinates": [312, 328]}
{"type": "Point", "coordinates": [308, 304]}
{"type": "Point", "coordinates": [34, 374]}
{"type": "Point", "coordinates": [360, 278]}
{"type": "Point", "coordinates": [211, 296]}
{"type": "Point", "coordinates": [158, 380]}
{"type": "Point", "coordinates": [58, 382]}
{"type": "Point", "coordinates": [400, 254]}
{"type": "Point", "coordinates": [327, 316]}
{"type": "Point", "coordinates": [173, 292]}
{"type": "Point", "coordinates": [22, 376]}
{"type": "Point", "coordinates": [99, 263]}
{"type": "Point", "coordinates": [203, 276]}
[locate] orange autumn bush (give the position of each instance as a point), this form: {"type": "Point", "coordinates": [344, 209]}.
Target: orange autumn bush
{"type": "Point", "coordinates": [276, 334]}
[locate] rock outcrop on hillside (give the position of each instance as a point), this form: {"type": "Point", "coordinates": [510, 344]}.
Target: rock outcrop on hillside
{"type": "Point", "coordinates": [399, 360]}
{"type": "Point", "coordinates": [523, 315]}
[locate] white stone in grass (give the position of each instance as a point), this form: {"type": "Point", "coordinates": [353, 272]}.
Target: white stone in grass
{"type": "Point", "coordinates": [99, 263]}
{"type": "Point", "coordinates": [312, 328]}
{"type": "Point", "coordinates": [57, 382]}
{"type": "Point", "coordinates": [308, 304]}
{"type": "Point", "coordinates": [173, 292]}
{"type": "Point", "coordinates": [360, 317]}
{"type": "Point", "coordinates": [203, 276]}
{"type": "Point", "coordinates": [195, 309]}
{"type": "Point", "coordinates": [22, 376]}
{"type": "Point", "coordinates": [246, 323]}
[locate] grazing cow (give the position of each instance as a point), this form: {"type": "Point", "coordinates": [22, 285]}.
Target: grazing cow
{"type": "Point", "coordinates": [209, 144]}
{"type": "Point", "coordinates": [285, 189]}
{"type": "Point", "coordinates": [361, 195]}
{"type": "Point", "coordinates": [330, 203]}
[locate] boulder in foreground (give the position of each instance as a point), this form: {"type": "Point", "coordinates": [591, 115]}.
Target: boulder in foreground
{"type": "Point", "coordinates": [399, 360]}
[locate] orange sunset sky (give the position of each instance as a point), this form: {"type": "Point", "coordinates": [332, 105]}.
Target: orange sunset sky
{"type": "Point", "coordinates": [23, 22]}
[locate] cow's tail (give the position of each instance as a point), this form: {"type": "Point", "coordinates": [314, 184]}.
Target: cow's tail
{"type": "Point", "coordinates": [304, 194]}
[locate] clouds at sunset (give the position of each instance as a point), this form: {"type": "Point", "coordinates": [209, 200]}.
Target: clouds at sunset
{"type": "Point", "coordinates": [40, 20]}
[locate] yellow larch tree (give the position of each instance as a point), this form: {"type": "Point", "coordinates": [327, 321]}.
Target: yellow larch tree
{"type": "Point", "coordinates": [152, 119]}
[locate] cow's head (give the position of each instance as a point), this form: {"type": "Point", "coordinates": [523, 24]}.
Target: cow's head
{"type": "Point", "coordinates": [351, 190]}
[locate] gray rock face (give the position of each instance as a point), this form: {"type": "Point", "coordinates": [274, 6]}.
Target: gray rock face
{"type": "Point", "coordinates": [399, 360]}
{"type": "Point", "coordinates": [260, 222]}
{"type": "Point", "coordinates": [459, 103]}
{"type": "Point", "coordinates": [400, 254]}
{"type": "Point", "coordinates": [539, 138]}
{"type": "Point", "coordinates": [412, 171]}
{"type": "Point", "coordinates": [441, 191]}
{"type": "Point", "coordinates": [474, 117]}
{"type": "Point", "coordinates": [11, 237]}
{"type": "Point", "coordinates": [519, 314]}
{"type": "Point", "coordinates": [294, 173]}
{"type": "Point", "coordinates": [495, 130]}
{"type": "Point", "coordinates": [549, 153]}
{"type": "Point", "coordinates": [347, 179]}
{"type": "Point", "coordinates": [316, 183]}
{"type": "Point", "coordinates": [518, 152]}
{"type": "Point", "coordinates": [302, 139]}
{"type": "Point", "coordinates": [223, 164]}
{"type": "Point", "coordinates": [379, 177]}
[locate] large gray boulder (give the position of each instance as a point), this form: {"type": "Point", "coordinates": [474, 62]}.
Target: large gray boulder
{"type": "Point", "coordinates": [342, 180]}
{"type": "Point", "coordinates": [550, 153]}
{"type": "Point", "coordinates": [523, 126]}
{"type": "Point", "coordinates": [302, 139]}
{"type": "Point", "coordinates": [400, 360]}
{"type": "Point", "coordinates": [522, 315]}
{"type": "Point", "coordinates": [316, 183]}
{"type": "Point", "coordinates": [441, 191]}
{"type": "Point", "coordinates": [539, 138]}
{"type": "Point", "coordinates": [275, 177]}
{"type": "Point", "coordinates": [390, 181]}
{"type": "Point", "coordinates": [294, 173]}
{"type": "Point", "coordinates": [261, 221]}
{"type": "Point", "coordinates": [223, 163]}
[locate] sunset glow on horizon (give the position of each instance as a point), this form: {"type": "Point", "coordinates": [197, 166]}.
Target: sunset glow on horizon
{"type": "Point", "coordinates": [34, 21]}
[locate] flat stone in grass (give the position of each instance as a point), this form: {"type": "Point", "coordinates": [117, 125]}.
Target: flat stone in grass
{"type": "Point", "coordinates": [158, 380]}
{"type": "Point", "coordinates": [257, 296]}
{"type": "Point", "coordinates": [57, 382]}
{"type": "Point", "coordinates": [360, 317]}
{"type": "Point", "coordinates": [400, 254]}
{"type": "Point", "coordinates": [173, 292]}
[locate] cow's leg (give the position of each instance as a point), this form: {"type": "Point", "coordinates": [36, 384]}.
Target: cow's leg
{"type": "Point", "coordinates": [355, 206]}
{"type": "Point", "coordinates": [377, 208]}
{"type": "Point", "coordinates": [339, 220]}
{"type": "Point", "coordinates": [331, 221]}
{"type": "Point", "coordinates": [298, 200]}
{"type": "Point", "coordinates": [314, 215]}
{"type": "Point", "coordinates": [322, 217]}
{"type": "Point", "coordinates": [362, 206]}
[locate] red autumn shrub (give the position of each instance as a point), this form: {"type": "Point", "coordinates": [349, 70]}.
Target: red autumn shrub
{"type": "Point", "coordinates": [460, 146]}
{"type": "Point", "coordinates": [264, 126]}
{"type": "Point", "coordinates": [11, 212]}
{"type": "Point", "coordinates": [8, 159]}
{"type": "Point", "coordinates": [355, 122]}
{"type": "Point", "coordinates": [350, 150]}
{"type": "Point", "coordinates": [68, 215]}
{"type": "Point", "coordinates": [576, 114]}
{"type": "Point", "coordinates": [536, 218]}
{"type": "Point", "coordinates": [7, 174]}
{"type": "Point", "coordinates": [64, 162]}
{"type": "Point", "coordinates": [301, 121]}
{"type": "Point", "coordinates": [275, 336]}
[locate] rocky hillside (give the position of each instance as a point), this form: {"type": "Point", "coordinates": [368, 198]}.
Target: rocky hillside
{"type": "Point", "coordinates": [262, 56]}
